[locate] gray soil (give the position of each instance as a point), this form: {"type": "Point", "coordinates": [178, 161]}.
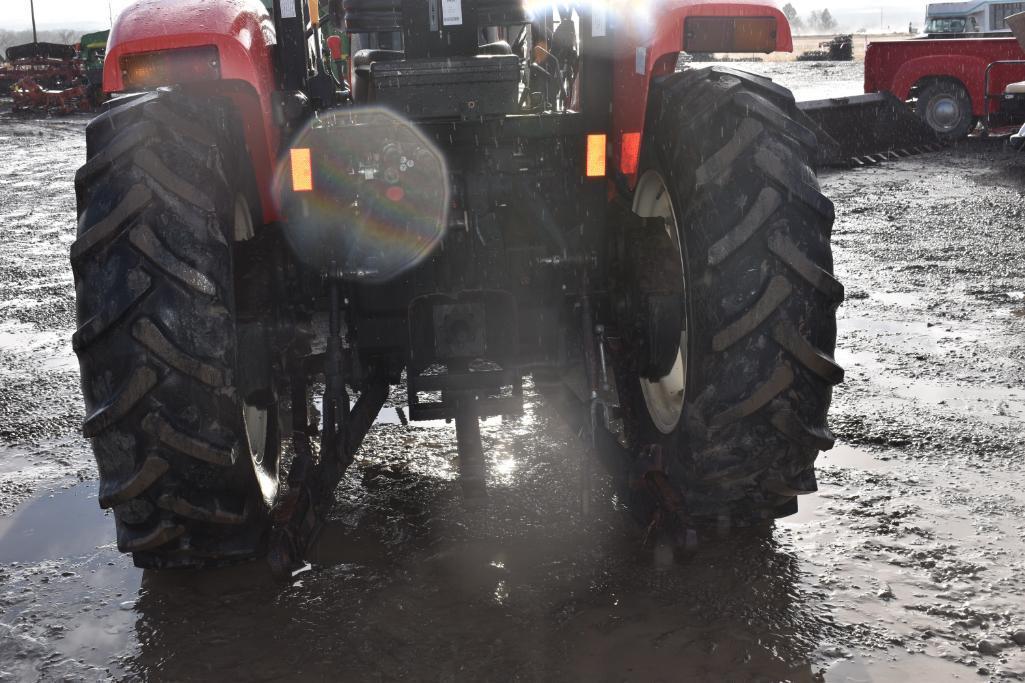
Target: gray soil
{"type": "Point", "coordinates": [909, 563]}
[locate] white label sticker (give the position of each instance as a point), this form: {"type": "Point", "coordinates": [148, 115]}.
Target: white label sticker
{"type": "Point", "coordinates": [451, 12]}
{"type": "Point", "coordinates": [288, 9]}
{"type": "Point", "coordinates": [599, 15]}
{"type": "Point", "coordinates": [641, 60]}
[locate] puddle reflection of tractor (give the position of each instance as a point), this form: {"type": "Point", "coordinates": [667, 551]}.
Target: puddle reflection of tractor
{"type": "Point", "coordinates": [484, 195]}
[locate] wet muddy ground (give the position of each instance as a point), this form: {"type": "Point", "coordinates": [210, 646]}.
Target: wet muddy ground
{"type": "Point", "coordinates": [909, 563]}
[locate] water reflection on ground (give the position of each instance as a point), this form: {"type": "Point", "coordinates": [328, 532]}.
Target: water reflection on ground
{"type": "Point", "coordinates": [406, 582]}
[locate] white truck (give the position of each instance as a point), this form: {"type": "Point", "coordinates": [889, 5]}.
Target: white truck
{"type": "Point", "coordinates": [974, 17]}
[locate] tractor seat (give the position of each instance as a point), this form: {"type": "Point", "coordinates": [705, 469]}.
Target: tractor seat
{"type": "Point", "coordinates": [361, 62]}
{"type": "Point", "coordinates": [1015, 89]}
{"type": "Point", "coordinates": [497, 48]}
{"type": "Point", "coordinates": [364, 58]}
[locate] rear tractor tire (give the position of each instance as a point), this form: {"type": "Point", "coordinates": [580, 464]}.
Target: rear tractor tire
{"type": "Point", "coordinates": [741, 416]}
{"type": "Point", "coordinates": [177, 384]}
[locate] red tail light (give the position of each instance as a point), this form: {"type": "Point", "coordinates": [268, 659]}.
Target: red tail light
{"type": "Point", "coordinates": [145, 70]}
{"type": "Point", "coordinates": [629, 153]}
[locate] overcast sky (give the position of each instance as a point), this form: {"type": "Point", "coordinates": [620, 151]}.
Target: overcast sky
{"type": "Point", "coordinates": [14, 14]}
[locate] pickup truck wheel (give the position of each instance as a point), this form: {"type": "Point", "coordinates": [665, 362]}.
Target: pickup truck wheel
{"type": "Point", "coordinates": [178, 387]}
{"type": "Point", "coordinates": [735, 422]}
{"type": "Point", "coordinates": [946, 108]}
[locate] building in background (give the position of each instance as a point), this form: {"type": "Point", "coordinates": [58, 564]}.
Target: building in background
{"type": "Point", "coordinates": [970, 17]}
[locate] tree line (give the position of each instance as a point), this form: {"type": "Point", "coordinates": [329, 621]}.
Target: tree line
{"type": "Point", "coordinates": [818, 21]}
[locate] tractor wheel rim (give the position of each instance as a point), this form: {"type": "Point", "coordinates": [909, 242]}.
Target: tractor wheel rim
{"type": "Point", "coordinates": [256, 420]}
{"type": "Point", "coordinates": [243, 226]}
{"type": "Point", "coordinates": [664, 398]}
{"type": "Point", "coordinates": [256, 417]}
{"type": "Point", "coordinates": [944, 113]}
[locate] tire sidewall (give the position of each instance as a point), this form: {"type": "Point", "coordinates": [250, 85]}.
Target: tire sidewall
{"type": "Point", "coordinates": [170, 268]}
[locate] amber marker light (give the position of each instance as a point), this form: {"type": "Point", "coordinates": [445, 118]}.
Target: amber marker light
{"type": "Point", "coordinates": [596, 155]}
{"type": "Point", "coordinates": [302, 170]}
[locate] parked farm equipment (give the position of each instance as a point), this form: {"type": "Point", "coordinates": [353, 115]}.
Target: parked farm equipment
{"type": "Point", "coordinates": [91, 50]}
{"type": "Point", "coordinates": [51, 65]}
{"type": "Point", "coordinates": [838, 49]}
{"type": "Point", "coordinates": [30, 96]}
{"type": "Point", "coordinates": [51, 78]}
{"type": "Point", "coordinates": [867, 129]}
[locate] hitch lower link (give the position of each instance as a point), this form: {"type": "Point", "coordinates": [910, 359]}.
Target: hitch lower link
{"type": "Point", "coordinates": [598, 386]}
{"type": "Point", "coordinates": [300, 514]}
{"type": "Point", "coordinates": [648, 473]}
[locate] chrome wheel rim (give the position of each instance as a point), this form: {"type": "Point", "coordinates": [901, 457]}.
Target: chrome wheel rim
{"type": "Point", "coordinates": [943, 113]}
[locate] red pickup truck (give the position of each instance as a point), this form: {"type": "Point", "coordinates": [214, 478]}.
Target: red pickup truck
{"type": "Point", "coordinates": [946, 78]}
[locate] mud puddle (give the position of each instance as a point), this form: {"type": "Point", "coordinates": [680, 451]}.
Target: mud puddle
{"type": "Point", "coordinates": [66, 523]}
{"type": "Point", "coordinates": [405, 582]}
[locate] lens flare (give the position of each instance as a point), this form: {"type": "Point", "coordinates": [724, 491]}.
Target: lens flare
{"type": "Point", "coordinates": [379, 197]}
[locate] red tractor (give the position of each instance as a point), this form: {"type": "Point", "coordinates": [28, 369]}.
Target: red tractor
{"type": "Point", "coordinates": [491, 196]}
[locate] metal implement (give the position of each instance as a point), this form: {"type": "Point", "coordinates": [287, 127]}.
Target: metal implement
{"type": "Point", "coordinates": [839, 49]}
{"type": "Point", "coordinates": [592, 358]}
{"type": "Point", "coordinates": [867, 129]}
{"type": "Point", "coordinates": [30, 96]}
{"type": "Point", "coordinates": [299, 515]}
{"type": "Point", "coordinates": [472, 475]}
{"type": "Point", "coordinates": [311, 485]}
{"type": "Point", "coordinates": [987, 107]}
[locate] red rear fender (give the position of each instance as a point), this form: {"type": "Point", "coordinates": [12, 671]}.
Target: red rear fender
{"type": "Point", "coordinates": [648, 42]}
{"type": "Point", "coordinates": [243, 33]}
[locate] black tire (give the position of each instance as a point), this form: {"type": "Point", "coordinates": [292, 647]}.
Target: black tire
{"type": "Point", "coordinates": [760, 296]}
{"type": "Point", "coordinates": [946, 107]}
{"type": "Point", "coordinates": [160, 199]}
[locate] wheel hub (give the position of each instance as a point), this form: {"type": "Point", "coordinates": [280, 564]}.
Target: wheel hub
{"type": "Point", "coordinates": [944, 113]}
